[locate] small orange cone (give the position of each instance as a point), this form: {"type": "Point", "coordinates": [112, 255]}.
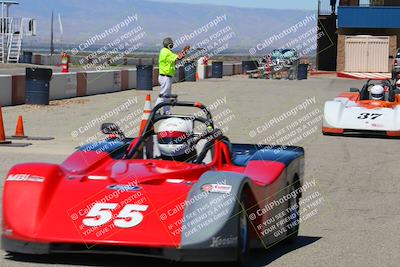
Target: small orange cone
{"type": "Point", "coordinates": [19, 131]}
{"type": "Point", "coordinates": [2, 133]}
{"type": "Point", "coordinates": [146, 114]}
{"type": "Point", "coordinates": [197, 76]}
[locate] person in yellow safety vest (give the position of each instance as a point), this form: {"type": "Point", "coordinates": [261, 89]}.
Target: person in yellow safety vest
{"type": "Point", "coordinates": [166, 64]}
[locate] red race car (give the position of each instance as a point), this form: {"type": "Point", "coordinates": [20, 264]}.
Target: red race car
{"type": "Point", "coordinates": [169, 193]}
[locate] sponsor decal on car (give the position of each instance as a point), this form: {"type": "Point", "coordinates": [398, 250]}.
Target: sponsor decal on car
{"type": "Point", "coordinates": [25, 178]}
{"type": "Point", "coordinates": [377, 125]}
{"type": "Point", "coordinates": [124, 187]}
{"type": "Point", "coordinates": [217, 188]}
{"type": "Point", "coordinates": [219, 241]}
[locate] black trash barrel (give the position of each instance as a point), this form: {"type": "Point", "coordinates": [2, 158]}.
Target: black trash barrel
{"type": "Point", "coordinates": [249, 65]}
{"type": "Point", "coordinates": [27, 57]}
{"type": "Point", "coordinates": [37, 85]}
{"type": "Point", "coordinates": [190, 72]}
{"type": "Point", "coordinates": [302, 72]}
{"type": "Point", "coordinates": [144, 77]}
{"type": "Point", "coordinates": [217, 69]}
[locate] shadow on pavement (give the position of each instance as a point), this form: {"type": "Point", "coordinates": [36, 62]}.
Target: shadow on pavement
{"type": "Point", "coordinates": [260, 257]}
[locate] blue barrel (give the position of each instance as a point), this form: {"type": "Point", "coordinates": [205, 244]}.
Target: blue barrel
{"type": "Point", "coordinates": [27, 57]}
{"type": "Point", "coordinates": [217, 69]}
{"type": "Point", "coordinates": [249, 65]}
{"type": "Point", "coordinates": [190, 71]}
{"type": "Point", "coordinates": [144, 77]}
{"type": "Point", "coordinates": [37, 86]}
{"type": "Point", "coordinates": [302, 72]}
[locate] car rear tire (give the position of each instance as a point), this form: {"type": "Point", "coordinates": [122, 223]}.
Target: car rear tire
{"type": "Point", "coordinates": [293, 215]}
{"type": "Point", "coordinates": [243, 247]}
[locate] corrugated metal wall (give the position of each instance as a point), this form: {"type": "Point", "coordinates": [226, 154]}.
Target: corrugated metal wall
{"type": "Point", "coordinates": [366, 54]}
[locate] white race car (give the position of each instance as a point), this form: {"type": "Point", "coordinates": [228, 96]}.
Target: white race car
{"type": "Point", "coordinates": [357, 113]}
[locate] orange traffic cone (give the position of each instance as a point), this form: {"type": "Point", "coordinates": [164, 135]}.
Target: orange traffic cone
{"type": "Point", "coordinates": [146, 114]}
{"type": "Point", "coordinates": [2, 133]}
{"type": "Point", "coordinates": [19, 131]}
{"type": "Point", "coordinates": [197, 76]}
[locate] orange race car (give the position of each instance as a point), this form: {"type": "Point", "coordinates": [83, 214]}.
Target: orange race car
{"type": "Point", "coordinates": [373, 111]}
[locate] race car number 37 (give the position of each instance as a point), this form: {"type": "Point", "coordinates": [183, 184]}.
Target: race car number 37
{"type": "Point", "coordinates": [372, 116]}
{"type": "Point", "coordinates": [101, 213]}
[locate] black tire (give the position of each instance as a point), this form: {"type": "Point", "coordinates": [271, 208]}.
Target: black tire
{"type": "Point", "coordinates": [243, 247]}
{"type": "Point", "coordinates": [293, 224]}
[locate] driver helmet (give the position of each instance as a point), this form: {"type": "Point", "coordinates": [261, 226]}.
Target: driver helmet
{"type": "Point", "coordinates": [377, 92]}
{"type": "Point", "coordinates": [173, 140]}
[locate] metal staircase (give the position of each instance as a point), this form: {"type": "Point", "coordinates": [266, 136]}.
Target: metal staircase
{"type": "Point", "coordinates": [12, 31]}
{"type": "Point", "coordinates": [14, 48]}
{"type": "Point", "coordinates": [2, 51]}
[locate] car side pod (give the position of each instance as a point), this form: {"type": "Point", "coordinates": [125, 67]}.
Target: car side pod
{"type": "Point", "coordinates": [327, 130]}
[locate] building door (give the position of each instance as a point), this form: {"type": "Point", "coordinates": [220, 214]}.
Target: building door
{"type": "Point", "coordinates": [367, 54]}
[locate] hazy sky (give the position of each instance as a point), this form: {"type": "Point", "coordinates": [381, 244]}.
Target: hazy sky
{"type": "Point", "coordinates": [285, 4]}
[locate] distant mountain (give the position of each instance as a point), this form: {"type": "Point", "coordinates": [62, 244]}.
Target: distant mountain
{"type": "Point", "coordinates": [83, 19]}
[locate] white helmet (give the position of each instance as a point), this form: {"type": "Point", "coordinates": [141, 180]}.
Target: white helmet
{"type": "Point", "coordinates": [377, 92]}
{"type": "Point", "coordinates": [172, 138]}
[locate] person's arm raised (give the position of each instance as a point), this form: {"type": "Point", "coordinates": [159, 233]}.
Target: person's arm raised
{"type": "Point", "coordinates": [183, 53]}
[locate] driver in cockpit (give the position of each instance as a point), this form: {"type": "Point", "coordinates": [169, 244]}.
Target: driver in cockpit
{"type": "Point", "coordinates": [173, 138]}
{"type": "Point", "coordinates": [377, 92]}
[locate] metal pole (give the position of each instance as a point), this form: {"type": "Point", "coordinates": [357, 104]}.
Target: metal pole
{"type": "Point", "coordinates": [319, 7]}
{"type": "Point", "coordinates": [52, 34]}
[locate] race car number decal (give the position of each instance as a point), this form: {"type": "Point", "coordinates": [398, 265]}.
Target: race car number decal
{"type": "Point", "coordinates": [372, 116]}
{"type": "Point", "coordinates": [101, 213]}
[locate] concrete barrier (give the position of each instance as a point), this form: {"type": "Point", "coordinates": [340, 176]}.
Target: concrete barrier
{"type": "Point", "coordinates": [156, 72]}
{"type": "Point", "coordinates": [37, 59]}
{"type": "Point", "coordinates": [48, 60]}
{"type": "Point", "coordinates": [124, 80]}
{"type": "Point", "coordinates": [63, 85]}
{"type": "Point", "coordinates": [5, 90]}
{"type": "Point", "coordinates": [56, 60]}
{"type": "Point", "coordinates": [237, 68]}
{"type": "Point", "coordinates": [106, 81]}
{"type": "Point", "coordinates": [227, 69]}
{"type": "Point", "coordinates": [209, 71]}
{"type": "Point", "coordinates": [132, 79]}
{"type": "Point", "coordinates": [45, 59]}
{"type": "Point", "coordinates": [18, 89]}
{"type": "Point", "coordinates": [81, 83]}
